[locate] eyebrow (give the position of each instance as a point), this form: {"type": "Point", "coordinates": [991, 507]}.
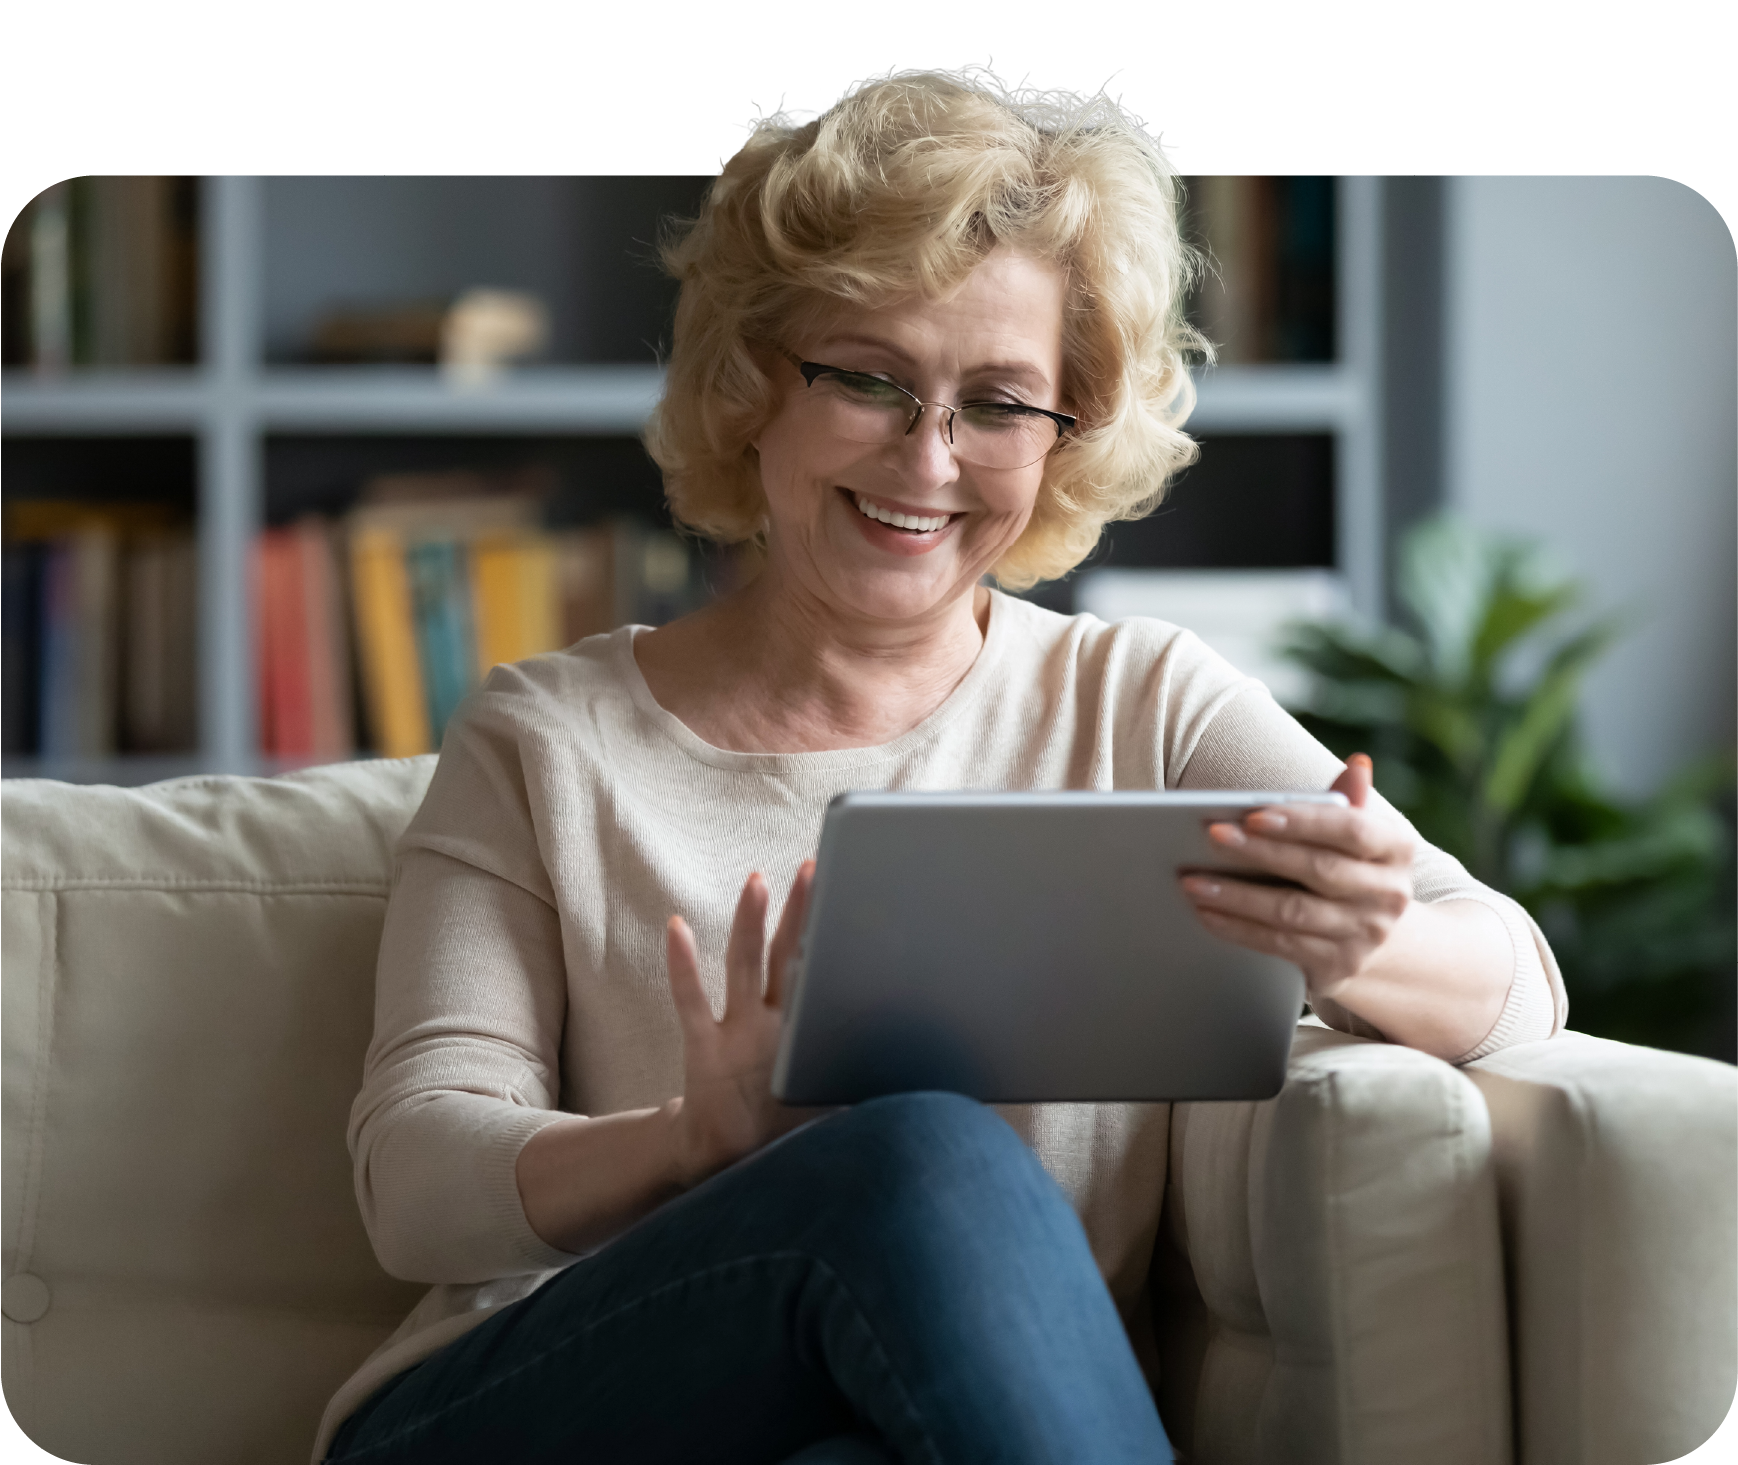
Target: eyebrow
{"type": "Point", "coordinates": [1023, 370]}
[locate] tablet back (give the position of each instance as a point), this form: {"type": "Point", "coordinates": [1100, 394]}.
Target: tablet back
{"type": "Point", "coordinates": [1028, 947]}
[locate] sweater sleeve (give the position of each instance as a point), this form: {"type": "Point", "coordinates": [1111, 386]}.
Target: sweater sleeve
{"type": "Point", "coordinates": [1250, 741]}
{"type": "Point", "coordinates": [470, 998]}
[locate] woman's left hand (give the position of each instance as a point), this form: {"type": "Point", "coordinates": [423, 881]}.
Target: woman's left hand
{"type": "Point", "coordinates": [1355, 869]}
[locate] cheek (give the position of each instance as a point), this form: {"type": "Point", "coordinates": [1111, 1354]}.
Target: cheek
{"type": "Point", "coordinates": [1013, 494]}
{"type": "Point", "coordinates": [792, 461]}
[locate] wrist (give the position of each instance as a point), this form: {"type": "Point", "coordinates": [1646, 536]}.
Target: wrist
{"type": "Point", "coordinates": [683, 1166]}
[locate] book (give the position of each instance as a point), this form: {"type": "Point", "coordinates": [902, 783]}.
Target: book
{"type": "Point", "coordinates": [285, 709]}
{"type": "Point", "coordinates": [102, 271]}
{"type": "Point", "coordinates": [331, 713]}
{"type": "Point", "coordinates": [386, 642]}
{"type": "Point", "coordinates": [305, 704]}
{"type": "Point", "coordinates": [100, 634]}
{"type": "Point", "coordinates": [1233, 219]}
{"type": "Point", "coordinates": [440, 599]}
{"type": "Point", "coordinates": [159, 685]}
{"type": "Point", "coordinates": [1269, 295]}
{"type": "Point", "coordinates": [516, 598]}
{"type": "Point", "coordinates": [77, 690]}
{"type": "Point", "coordinates": [585, 583]}
{"type": "Point", "coordinates": [451, 574]}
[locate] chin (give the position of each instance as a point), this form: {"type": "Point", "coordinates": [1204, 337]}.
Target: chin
{"type": "Point", "coordinates": [897, 597]}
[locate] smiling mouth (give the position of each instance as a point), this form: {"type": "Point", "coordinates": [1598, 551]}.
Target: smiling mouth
{"type": "Point", "coordinates": [910, 523]}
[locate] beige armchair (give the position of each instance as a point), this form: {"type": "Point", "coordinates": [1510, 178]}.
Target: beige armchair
{"type": "Point", "coordinates": [1529, 1259]}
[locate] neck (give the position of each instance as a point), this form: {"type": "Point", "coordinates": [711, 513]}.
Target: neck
{"type": "Point", "coordinates": [773, 669]}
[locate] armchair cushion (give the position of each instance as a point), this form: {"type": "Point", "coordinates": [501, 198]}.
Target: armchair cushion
{"type": "Point", "coordinates": [1342, 1296]}
{"type": "Point", "coordinates": [189, 973]}
{"type": "Point", "coordinates": [1617, 1168]}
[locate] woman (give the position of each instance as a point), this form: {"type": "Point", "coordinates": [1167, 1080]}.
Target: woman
{"type": "Point", "coordinates": [936, 335]}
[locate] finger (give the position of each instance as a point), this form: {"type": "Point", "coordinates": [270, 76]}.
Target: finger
{"type": "Point", "coordinates": [682, 960]}
{"type": "Point", "coordinates": [744, 957]}
{"type": "Point", "coordinates": [1297, 911]}
{"type": "Point", "coordinates": [1324, 869]}
{"type": "Point", "coordinates": [1312, 953]}
{"type": "Point", "coordinates": [1355, 781]}
{"type": "Point", "coordinates": [789, 933]}
{"type": "Point", "coordinates": [1364, 834]}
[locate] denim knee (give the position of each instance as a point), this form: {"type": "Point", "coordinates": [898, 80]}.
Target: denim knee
{"type": "Point", "coordinates": [937, 1147]}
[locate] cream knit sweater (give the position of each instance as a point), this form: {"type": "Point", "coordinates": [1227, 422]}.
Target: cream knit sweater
{"type": "Point", "coordinates": [521, 968]}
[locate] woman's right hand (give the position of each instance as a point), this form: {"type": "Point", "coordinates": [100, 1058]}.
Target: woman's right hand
{"type": "Point", "coordinates": [727, 1109]}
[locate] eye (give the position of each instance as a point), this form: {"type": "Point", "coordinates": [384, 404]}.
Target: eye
{"type": "Point", "coordinates": [1002, 416]}
{"type": "Point", "coordinates": [859, 386]}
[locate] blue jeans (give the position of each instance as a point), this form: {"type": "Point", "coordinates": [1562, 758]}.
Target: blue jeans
{"type": "Point", "coordinates": [897, 1281]}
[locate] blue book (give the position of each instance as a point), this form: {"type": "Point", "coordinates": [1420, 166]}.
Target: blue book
{"type": "Point", "coordinates": [440, 597]}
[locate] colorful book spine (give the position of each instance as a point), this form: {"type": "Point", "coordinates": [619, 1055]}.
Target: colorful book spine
{"type": "Point", "coordinates": [331, 718]}
{"type": "Point", "coordinates": [515, 598]}
{"type": "Point", "coordinates": [440, 601]}
{"type": "Point", "coordinates": [386, 640]}
{"type": "Point", "coordinates": [285, 707]}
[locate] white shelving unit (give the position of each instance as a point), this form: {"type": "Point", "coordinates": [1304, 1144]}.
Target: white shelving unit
{"type": "Point", "coordinates": [232, 400]}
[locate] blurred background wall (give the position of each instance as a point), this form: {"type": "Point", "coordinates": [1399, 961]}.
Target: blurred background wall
{"type": "Point", "coordinates": [1588, 399]}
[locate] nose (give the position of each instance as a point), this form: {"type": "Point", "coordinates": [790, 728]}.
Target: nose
{"type": "Point", "coordinates": [926, 455]}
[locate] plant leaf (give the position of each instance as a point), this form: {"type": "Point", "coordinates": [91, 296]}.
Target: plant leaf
{"type": "Point", "coordinates": [1512, 613]}
{"type": "Point", "coordinates": [1445, 576]}
{"type": "Point", "coordinates": [1544, 717]}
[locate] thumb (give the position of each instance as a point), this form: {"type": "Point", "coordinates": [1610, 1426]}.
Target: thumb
{"type": "Point", "coordinates": [1355, 782]}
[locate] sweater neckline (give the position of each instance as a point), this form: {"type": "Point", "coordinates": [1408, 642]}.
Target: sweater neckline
{"type": "Point", "coordinates": [830, 760]}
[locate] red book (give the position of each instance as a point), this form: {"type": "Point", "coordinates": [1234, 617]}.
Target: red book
{"type": "Point", "coordinates": [330, 717]}
{"type": "Point", "coordinates": [286, 712]}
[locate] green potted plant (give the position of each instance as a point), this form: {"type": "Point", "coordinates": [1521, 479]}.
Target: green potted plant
{"type": "Point", "coordinates": [1470, 712]}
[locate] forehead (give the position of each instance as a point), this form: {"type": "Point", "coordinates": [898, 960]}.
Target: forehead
{"type": "Point", "coordinates": [1009, 308]}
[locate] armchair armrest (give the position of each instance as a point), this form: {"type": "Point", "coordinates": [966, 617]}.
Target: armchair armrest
{"type": "Point", "coordinates": [1617, 1171]}
{"type": "Point", "coordinates": [1344, 1242]}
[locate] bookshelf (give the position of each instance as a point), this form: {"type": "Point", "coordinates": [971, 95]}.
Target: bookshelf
{"type": "Point", "coordinates": [237, 400]}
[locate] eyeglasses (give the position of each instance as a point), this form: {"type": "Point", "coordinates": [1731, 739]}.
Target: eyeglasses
{"type": "Point", "coordinates": [870, 409]}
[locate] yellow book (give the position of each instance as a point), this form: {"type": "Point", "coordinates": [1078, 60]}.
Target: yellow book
{"type": "Point", "coordinates": [515, 599]}
{"type": "Point", "coordinates": [386, 638]}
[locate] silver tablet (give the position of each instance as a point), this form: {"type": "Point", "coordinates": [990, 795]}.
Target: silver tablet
{"type": "Point", "coordinates": [1029, 947]}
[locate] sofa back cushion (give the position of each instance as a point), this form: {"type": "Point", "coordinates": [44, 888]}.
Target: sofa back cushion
{"type": "Point", "coordinates": [188, 995]}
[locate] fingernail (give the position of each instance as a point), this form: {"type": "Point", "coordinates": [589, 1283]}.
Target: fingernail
{"type": "Point", "coordinates": [1267, 819]}
{"type": "Point", "coordinates": [1200, 885]}
{"type": "Point", "coordinates": [1227, 834]}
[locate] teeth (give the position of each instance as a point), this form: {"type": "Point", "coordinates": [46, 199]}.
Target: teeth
{"type": "Point", "coordinates": [918, 522]}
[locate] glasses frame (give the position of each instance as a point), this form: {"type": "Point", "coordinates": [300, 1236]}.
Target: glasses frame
{"type": "Point", "coordinates": [812, 369]}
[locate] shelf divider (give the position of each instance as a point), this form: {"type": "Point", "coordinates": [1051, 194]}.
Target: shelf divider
{"type": "Point", "coordinates": [230, 476]}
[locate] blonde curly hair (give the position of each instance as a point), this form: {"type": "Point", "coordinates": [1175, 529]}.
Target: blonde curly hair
{"type": "Point", "coordinates": [905, 186]}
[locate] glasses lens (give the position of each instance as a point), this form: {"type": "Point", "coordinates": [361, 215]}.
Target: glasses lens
{"type": "Point", "coordinates": [865, 409]}
{"type": "Point", "coordinates": [860, 408]}
{"type": "Point", "coordinates": [1002, 435]}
